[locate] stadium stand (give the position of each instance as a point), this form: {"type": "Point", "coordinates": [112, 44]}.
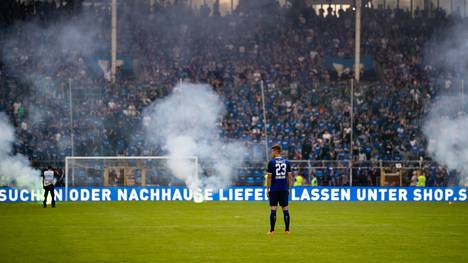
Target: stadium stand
{"type": "Point", "coordinates": [300, 55]}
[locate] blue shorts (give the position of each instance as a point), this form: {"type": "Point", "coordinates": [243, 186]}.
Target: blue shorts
{"type": "Point", "coordinates": [280, 197]}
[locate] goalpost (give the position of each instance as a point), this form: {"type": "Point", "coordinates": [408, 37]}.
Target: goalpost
{"type": "Point", "coordinates": [122, 171]}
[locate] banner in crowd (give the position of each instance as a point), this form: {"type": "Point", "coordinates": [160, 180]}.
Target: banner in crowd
{"type": "Point", "coordinates": [344, 66]}
{"type": "Point", "coordinates": [297, 194]}
{"type": "Point", "coordinates": [101, 64]}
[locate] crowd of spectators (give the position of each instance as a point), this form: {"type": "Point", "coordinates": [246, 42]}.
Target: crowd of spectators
{"type": "Point", "coordinates": [282, 48]}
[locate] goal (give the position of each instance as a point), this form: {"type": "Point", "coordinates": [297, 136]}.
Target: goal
{"type": "Point", "coordinates": [120, 171]}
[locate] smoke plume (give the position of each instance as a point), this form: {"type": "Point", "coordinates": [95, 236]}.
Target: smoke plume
{"type": "Point", "coordinates": [446, 125]}
{"type": "Point", "coordinates": [15, 170]}
{"type": "Point", "coordinates": [186, 123]}
{"type": "Point", "coordinates": [44, 58]}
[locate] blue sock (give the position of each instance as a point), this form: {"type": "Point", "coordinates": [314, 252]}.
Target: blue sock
{"type": "Point", "coordinates": [286, 219]}
{"type": "Point", "coordinates": [272, 220]}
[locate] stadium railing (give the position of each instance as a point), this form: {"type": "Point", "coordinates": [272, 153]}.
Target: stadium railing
{"type": "Point", "coordinates": [327, 172]}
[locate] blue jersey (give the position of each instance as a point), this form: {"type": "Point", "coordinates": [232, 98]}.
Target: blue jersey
{"type": "Point", "coordinates": [279, 169]}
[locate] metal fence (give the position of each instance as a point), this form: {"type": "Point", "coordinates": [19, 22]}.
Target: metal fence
{"type": "Point", "coordinates": [329, 173]}
{"type": "Point", "coordinates": [341, 173]}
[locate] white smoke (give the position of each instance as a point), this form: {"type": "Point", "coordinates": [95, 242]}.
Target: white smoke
{"type": "Point", "coordinates": [15, 170]}
{"type": "Point", "coordinates": [187, 123]}
{"type": "Point", "coordinates": [45, 58]}
{"type": "Point", "coordinates": [446, 125]}
{"type": "Point", "coordinates": [446, 129]}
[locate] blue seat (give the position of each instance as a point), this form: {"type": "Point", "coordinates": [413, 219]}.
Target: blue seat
{"type": "Point", "coordinates": [241, 175]}
{"type": "Point", "coordinates": [241, 172]}
{"type": "Point", "coordinates": [250, 180]}
{"type": "Point", "coordinates": [257, 173]}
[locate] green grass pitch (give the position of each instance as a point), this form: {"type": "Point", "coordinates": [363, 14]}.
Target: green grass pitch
{"type": "Point", "coordinates": [233, 232]}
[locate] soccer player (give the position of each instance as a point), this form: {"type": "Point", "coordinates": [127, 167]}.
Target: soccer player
{"type": "Point", "coordinates": [279, 179]}
{"type": "Point", "coordinates": [48, 181]}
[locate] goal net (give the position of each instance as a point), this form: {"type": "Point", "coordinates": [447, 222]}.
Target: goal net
{"type": "Point", "coordinates": [105, 171]}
